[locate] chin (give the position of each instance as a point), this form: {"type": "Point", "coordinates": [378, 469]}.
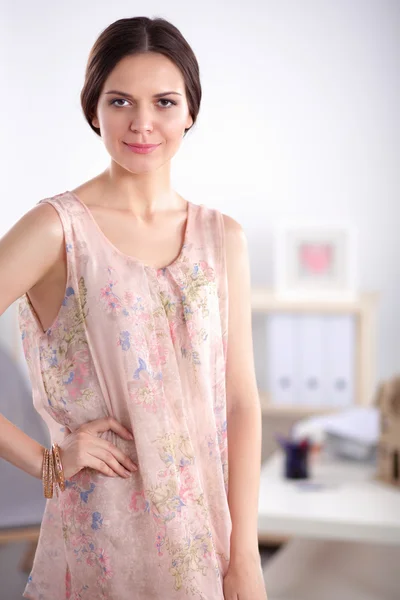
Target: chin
{"type": "Point", "coordinates": [140, 169]}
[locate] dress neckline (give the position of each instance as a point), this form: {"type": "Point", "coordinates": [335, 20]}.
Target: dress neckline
{"type": "Point", "coordinates": [134, 258]}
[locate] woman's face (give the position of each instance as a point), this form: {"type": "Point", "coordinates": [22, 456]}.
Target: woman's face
{"type": "Point", "coordinates": [132, 114]}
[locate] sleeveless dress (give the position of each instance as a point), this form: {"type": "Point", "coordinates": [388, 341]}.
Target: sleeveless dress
{"type": "Point", "coordinates": [148, 347]}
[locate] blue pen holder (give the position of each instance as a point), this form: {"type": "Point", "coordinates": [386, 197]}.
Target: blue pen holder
{"type": "Point", "coordinates": [296, 460]}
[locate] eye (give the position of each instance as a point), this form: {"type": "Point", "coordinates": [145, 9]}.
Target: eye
{"type": "Point", "coordinates": [118, 100]}
{"type": "Point", "coordinates": [166, 100]}
{"type": "Point", "coordinates": [171, 102]}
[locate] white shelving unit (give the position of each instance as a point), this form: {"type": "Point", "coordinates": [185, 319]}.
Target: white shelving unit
{"type": "Point", "coordinates": [361, 338]}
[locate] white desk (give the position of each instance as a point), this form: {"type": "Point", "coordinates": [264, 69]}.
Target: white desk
{"type": "Point", "coordinates": [350, 506]}
{"type": "Point", "coordinates": [345, 537]}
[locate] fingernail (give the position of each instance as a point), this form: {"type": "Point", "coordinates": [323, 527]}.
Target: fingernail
{"type": "Point", "coordinates": [131, 436]}
{"type": "Point", "coordinates": [127, 473]}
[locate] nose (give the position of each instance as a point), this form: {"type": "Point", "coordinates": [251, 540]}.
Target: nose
{"type": "Point", "coordinates": [141, 121]}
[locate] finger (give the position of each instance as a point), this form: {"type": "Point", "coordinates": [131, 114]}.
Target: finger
{"type": "Point", "coordinates": [100, 466]}
{"type": "Point", "coordinates": [105, 424]}
{"type": "Point", "coordinates": [118, 428]}
{"type": "Point", "coordinates": [108, 458]}
{"type": "Point", "coordinates": [122, 458]}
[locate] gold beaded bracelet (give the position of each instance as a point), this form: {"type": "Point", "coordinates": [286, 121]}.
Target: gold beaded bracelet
{"type": "Point", "coordinates": [52, 471]}
{"type": "Point", "coordinates": [47, 474]}
{"type": "Point", "coordinates": [58, 468]}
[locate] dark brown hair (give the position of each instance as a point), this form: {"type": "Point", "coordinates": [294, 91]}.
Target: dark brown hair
{"type": "Point", "coordinates": [138, 35]}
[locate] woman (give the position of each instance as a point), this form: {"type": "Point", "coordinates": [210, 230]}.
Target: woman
{"type": "Point", "coordinates": [124, 293]}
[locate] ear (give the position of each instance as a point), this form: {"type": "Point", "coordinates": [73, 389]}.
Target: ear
{"type": "Point", "coordinates": [95, 122]}
{"type": "Point", "coordinates": [189, 122]}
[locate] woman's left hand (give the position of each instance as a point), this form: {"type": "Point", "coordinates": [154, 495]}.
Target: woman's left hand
{"type": "Point", "coordinates": [244, 581]}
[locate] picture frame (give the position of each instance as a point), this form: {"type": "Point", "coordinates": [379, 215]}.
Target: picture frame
{"type": "Point", "coordinates": [316, 261]}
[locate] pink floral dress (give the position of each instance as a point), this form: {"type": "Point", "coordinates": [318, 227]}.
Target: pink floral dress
{"type": "Point", "coordinates": [147, 346]}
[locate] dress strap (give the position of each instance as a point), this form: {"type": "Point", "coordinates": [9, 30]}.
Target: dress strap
{"type": "Point", "coordinates": [208, 233]}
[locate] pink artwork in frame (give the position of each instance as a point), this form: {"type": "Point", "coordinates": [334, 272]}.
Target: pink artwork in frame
{"type": "Point", "coordinates": [316, 261]}
{"type": "Point", "coordinates": [316, 258]}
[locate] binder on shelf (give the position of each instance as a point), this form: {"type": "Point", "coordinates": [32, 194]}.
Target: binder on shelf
{"type": "Point", "coordinates": [340, 348]}
{"type": "Point", "coordinates": [341, 352]}
{"type": "Point", "coordinates": [311, 360]}
{"type": "Point", "coordinates": [281, 359]}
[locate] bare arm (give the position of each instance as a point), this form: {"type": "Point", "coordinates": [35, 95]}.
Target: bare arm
{"type": "Point", "coordinates": [19, 449]}
{"type": "Point", "coordinates": [243, 405]}
{"type": "Point", "coordinates": [28, 252]}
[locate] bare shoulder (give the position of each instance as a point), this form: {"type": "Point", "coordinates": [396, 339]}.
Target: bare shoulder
{"type": "Point", "coordinates": [29, 252]}
{"type": "Point", "coordinates": [40, 220]}
{"type": "Point", "coordinates": [232, 227]}
{"type": "Point", "coordinates": [235, 237]}
{"type": "Point", "coordinates": [44, 214]}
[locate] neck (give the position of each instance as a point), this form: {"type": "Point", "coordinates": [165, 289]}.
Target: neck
{"type": "Point", "coordinates": [142, 194]}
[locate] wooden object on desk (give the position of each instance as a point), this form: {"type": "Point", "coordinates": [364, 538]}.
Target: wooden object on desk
{"type": "Point", "coordinates": [363, 308]}
{"type": "Point", "coordinates": [388, 401]}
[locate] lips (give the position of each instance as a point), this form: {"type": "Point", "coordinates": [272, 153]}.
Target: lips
{"type": "Point", "coordinates": [144, 146]}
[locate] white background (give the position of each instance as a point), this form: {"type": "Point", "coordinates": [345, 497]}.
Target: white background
{"type": "Point", "coordinates": [299, 120]}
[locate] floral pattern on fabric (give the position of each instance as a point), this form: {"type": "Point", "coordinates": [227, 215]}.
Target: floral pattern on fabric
{"type": "Point", "coordinates": [147, 346]}
{"type": "Point", "coordinates": [167, 503]}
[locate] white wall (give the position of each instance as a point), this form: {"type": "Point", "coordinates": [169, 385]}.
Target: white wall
{"type": "Point", "coordinates": [299, 119]}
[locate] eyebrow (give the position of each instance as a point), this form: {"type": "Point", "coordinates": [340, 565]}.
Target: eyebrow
{"type": "Point", "coordinates": [119, 93]}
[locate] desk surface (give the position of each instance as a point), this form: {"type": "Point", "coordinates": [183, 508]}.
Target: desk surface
{"type": "Point", "coordinates": [349, 504]}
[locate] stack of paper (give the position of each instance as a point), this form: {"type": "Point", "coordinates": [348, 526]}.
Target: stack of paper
{"type": "Point", "coordinates": [351, 433]}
